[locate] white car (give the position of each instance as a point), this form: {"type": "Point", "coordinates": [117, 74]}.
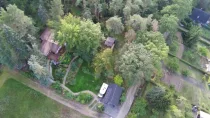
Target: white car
{"type": "Point", "coordinates": [103, 90]}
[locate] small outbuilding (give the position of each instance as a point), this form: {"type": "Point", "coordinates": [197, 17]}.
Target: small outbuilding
{"type": "Point", "coordinates": [110, 42]}
{"type": "Point", "coordinates": [112, 96]}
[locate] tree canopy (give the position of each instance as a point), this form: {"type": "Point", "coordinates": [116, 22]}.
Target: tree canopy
{"type": "Point", "coordinates": [115, 25]}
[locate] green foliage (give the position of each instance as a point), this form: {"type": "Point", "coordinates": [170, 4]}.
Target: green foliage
{"type": "Point", "coordinates": [118, 80]}
{"type": "Point", "coordinates": [173, 47]}
{"type": "Point", "coordinates": [203, 51]}
{"type": "Point", "coordinates": [169, 23]}
{"type": "Point", "coordinates": [69, 95]}
{"type": "Point", "coordinates": [139, 107]}
{"type": "Point", "coordinates": [56, 10]}
{"type": "Point", "coordinates": [131, 115]}
{"type": "Point", "coordinates": [185, 73]}
{"type": "Point", "coordinates": [123, 97]}
{"type": "Point", "coordinates": [135, 63]}
{"type": "Point", "coordinates": [191, 37]}
{"type": "Point", "coordinates": [84, 98]}
{"type": "Point", "coordinates": [173, 64]}
{"type": "Point", "coordinates": [80, 36]}
{"type": "Point", "coordinates": [191, 57]}
{"type": "Point", "coordinates": [114, 25]}
{"type": "Point", "coordinates": [116, 6]}
{"type": "Point", "coordinates": [154, 42]}
{"type": "Point", "coordinates": [57, 86]}
{"type": "Point", "coordinates": [102, 63]}
{"type": "Point", "coordinates": [100, 107]}
{"type": "Point", "coordinates": [158, 98]}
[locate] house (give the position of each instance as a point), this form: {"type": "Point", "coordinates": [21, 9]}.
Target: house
{"type": "Point", "coordinates": [49, 47]}
{"type": "Point", "coordinates": [200, 16]}
{"type": "Point", "coordinates": [112, 96]}
{"type": "Point", "coordinates": [203, 115]}
{"type": "Point", "coordinates": [110, 42]}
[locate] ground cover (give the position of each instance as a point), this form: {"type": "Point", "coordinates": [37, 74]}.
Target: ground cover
{"type": "Point", "coordinates": [85, 80]}
{"type": "Point", "coordinates": [20, 101]}
{"type": "Point", "coordinates": [205, 33]}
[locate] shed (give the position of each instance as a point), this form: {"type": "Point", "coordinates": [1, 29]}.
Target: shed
{"type": "Point", "coordinates": [110, 41]}
{"type": "Point", "coordinates": [112, 96]}
{"type": "Point", "coordinates": [200, 16]}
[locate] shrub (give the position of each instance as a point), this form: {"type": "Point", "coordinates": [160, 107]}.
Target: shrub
{"type": "Point", "coordinates": [173, 64]}
{"type": "Point", "coordinates": [57, 86]}
{"type": "Point", "coordinates": [100, 107]}
{"type": "Point", "coordinates": [118, 80]}
{"type": "Point", "coordinates": [203, 51]}
{"type": "Point", "coordinates": [139, 107]}
{"type": "Point", "coordinates": [69, 95]}
{"type": "Point", "coordinates": [123, 98]}
{"type": "Point", "coordinates": [84, 98]}
{"type": "Point", "coordinates": [185, 73]}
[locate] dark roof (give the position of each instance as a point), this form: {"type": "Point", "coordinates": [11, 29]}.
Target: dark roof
{"type": "Point", "coordinates": [110, 41]}
{"type": "Point", "coordinates": [112, 96]}
{"type": "Point", "coordinates": [199, 16]}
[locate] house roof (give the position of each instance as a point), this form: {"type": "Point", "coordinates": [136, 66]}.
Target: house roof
{"type": "Point", "coordinates": [112, 96]}
{"type": "Point", "coordinates": [199, 16]}
{"type": "Point", "coordinates": [48, 44]}
{"type": "Point", "coordinates": [110, 41]}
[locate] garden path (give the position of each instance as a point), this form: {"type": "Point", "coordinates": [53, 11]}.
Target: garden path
{"type": "Point", "coordinates": [128, 102]}
{"type": "Point", "coordinates": [83, 109]}
{"type": "Point", "coordinates": [181, 46]}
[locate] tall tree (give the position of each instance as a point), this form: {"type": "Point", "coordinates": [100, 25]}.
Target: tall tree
{"type": "Point", "coordinates": [159, 99]}
{"type": "Point", "coordinates": [154, 42]}
{"type": "Point", "coordinates": [56, 10]}
{"type": "Point", "coordinates": [16, 19]}
{"type": "Point", "coordinates": [103, 63]}
{"type": "Point", "coordinates": [116, 6]}
{"type": "Point", "coordinates": [115, 25]}
{"type": "Point", "coordinates": [191, 37]}
{"type": "Point", "coordinates": [169, 23]}
{"type": "Point", "coordinates": [135, 63]}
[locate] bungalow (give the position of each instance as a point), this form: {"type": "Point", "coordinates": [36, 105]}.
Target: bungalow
{"type": "Point", "coordinates": [200, 16]}
{"type": "Point", "coordinates": [112, 96]}
{"type": "Point", "coordinates": [110, 42]}
{"type": "Point", "coordinates": [49, 47]}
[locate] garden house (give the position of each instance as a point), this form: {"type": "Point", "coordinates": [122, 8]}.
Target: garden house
{"type": "Point", "coordinates": [200, 16]}
{"type": "Point", "coordinates": [49, 47]}
{"type": "Point", "coordinates": [110, 42]}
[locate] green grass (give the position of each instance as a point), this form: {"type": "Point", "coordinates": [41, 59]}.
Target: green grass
{"type": "Point", "coordinates": [20, 101]}
{"type": "Point", "coordinates": [84, 81]}
{"type": "Point", "coordinates": [193, 72]}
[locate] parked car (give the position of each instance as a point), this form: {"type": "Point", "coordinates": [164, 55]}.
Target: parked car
{"type": "Point", "coordinates": [103, 90]}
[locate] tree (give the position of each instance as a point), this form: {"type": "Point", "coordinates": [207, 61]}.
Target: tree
{"type": "Point", "coordinates": [139, 107]}
{"type": "Point", "coordinates": [15, 19]}
{"type": "Point", "coordinates": [114, 25]}
{"type": "Point", "coordinates": [158, 98]}
{"type": "Point", "coordinates": [103, 63]}
{"type": "Point", "coordinates": [153, 42]}
{"type": "Point", "coordinates": [56, 10]}
{"type": "Point", "coordinates": [80, 36]}
{"type": "Point", "coordinates": [179, 8]}
{"type": "Point", "coordinates": [175, 112]}
{"type": "Point", "coordinates": [135, 63]}
{"type": "Point", "coordinates": [118, 80]}
{"type": "Point", "coordinates": [191, 37]}
{"type": "Point", "coordinates": [169, 23]}
{"type": "Point", "coordinates": [42, 13]}
{"type": "Point", "coordinates": [116, 6]}
{"type": "Point", "coordinates": [130, 35]}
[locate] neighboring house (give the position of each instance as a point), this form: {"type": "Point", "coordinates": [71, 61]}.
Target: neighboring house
{"type": "Point", "coordinates": [49, 47]}
{"type": "Point", "coordinates": [200, 16]}
{"type": "Point", "coordinates": [112, 96]}
{"type": "Point", "coordinates": [110, 42]}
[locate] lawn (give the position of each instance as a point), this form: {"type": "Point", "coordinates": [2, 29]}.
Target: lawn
{"type": "Point", "coordinates": [85, 80]}
{"type": "Point", "coordinates": [193, 72]}
{"type": "Point", "coordinates": [20, 101]}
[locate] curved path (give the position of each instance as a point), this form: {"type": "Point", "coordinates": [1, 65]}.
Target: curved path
{"type": "Point", "coordinates": [83, 109]}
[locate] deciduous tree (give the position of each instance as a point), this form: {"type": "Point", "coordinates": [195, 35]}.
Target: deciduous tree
{"type": "Point", "coordinates": [115, 25]}
{"type": "Point", "coordinates": [56, 10]}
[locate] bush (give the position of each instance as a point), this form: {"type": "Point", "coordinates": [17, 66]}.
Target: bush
{"type": "Point", "coordinates": [123, 98]}
{"type": "Point", "coordinates": [100, 107]}
{"type": "Point", "coordinates": [69, 95]}
{"type": "Point", "coordinates": [203, 51]}
{"type": "Point", "coordinates": [173, 64]}
{"type": "Point", "coordinates": [84, 98]}
{"type": "Point", "coordinates": [139, 107]}
{"type": "Point", "coordinates": [118, 80]}
{"type": "Point", "coordinates": [57, 86]}
{"type": "Point", "coordinates": [185, 73]}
